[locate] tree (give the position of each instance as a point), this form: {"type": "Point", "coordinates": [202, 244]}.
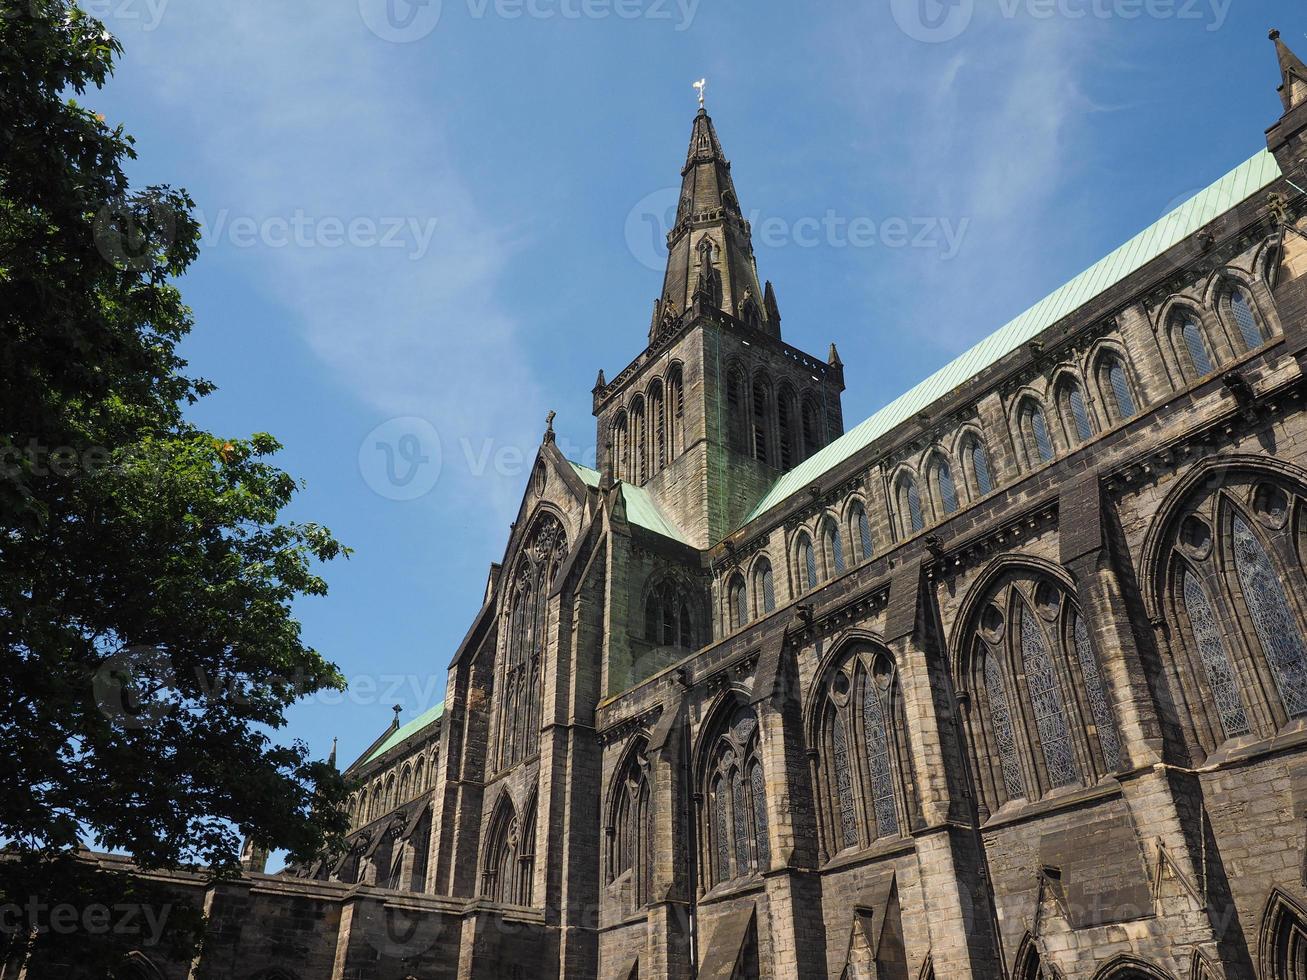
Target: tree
{"type": "Point", "coordinates": [146, 580]}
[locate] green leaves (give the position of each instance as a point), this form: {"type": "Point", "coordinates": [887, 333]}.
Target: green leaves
{"type": "Point", "coordinates": [146, 576]}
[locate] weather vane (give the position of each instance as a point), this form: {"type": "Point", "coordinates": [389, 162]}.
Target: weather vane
{"type": "Point", "coordinates": [701, 84]}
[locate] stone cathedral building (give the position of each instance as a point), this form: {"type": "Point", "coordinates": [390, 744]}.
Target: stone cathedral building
{"type": "Point", "coordinates": [1008, 680]}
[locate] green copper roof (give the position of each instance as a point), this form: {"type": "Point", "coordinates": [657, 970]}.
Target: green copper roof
{"type": "Point", "coordinates": [404, 731]}
{"type": "Point", "coordinates": [640, 507]}
{"type": "Point", "coordinates": [1236, 186]}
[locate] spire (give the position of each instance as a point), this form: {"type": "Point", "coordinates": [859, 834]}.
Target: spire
{"type": "Point", "coordinates": [600, 382]}
{"type": "Point", "coordinates": [833, 358]}
{"type": "Point", "coordinates": [331, 759]}
{"type": "Point", "coordinates": [710, 253]}
{"type": "Point", "coordinates": [1293, 73]}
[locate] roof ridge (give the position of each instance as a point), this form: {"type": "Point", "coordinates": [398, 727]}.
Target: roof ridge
{"type": "Point", "coordinates": [1128, 257]}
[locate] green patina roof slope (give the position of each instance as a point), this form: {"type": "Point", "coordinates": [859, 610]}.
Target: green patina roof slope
{"type": "Point", "coordinates": [640, 508]}
{"type": "Point", "coordinates": [404, 731]}
{"type": "Point", "coordinates": [1236, 186]}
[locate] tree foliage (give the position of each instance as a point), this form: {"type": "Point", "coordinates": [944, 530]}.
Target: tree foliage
{"type": "Point", "coordinates": [146, 578]}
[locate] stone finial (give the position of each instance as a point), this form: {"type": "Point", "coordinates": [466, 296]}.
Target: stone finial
{"type": "Point", "coordinates": [833, 358]}
{"type": "Point", "coordinates": [1293, 74]}
{"type": "Point", "coordinates": [397, 708]}
{"type": "Point", "coordinates": [601, 382]}
{"type": "Point", "coordinates": [549, 425]}
{"type": "Point", "coordinates": [331, 759]}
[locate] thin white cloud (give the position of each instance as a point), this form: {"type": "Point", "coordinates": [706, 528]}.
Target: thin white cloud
{"type": "Point", "coordinates": [309, 113]}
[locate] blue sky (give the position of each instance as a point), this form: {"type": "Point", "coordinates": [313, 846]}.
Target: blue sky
{"type": "Point", "coordinates": [453, 220]}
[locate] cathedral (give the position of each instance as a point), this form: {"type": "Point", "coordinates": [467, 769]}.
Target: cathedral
{"type": "Point", "coordinates": [1008, 680]}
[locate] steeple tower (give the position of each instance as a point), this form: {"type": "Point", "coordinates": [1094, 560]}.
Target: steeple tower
{"type": "Point", "coordinates": [1293, 90]}
{"type": "Point", "coordinates": [1287, 139]}
{"type": "Point", "coordinates": [705, 419]}
{"type": "Point", "coordinates": [710, 253]}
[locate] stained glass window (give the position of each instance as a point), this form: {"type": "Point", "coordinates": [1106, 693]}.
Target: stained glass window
{"type": "Point", "coordinates": [864, 532]}
{"type": "Point", "coordinates": [758, 787]}
{"type": "Point", "coordinates": [1277, 627]}
{"type": "Point", "coordinates": [844, 785]}
{"type": "Point", "coordinates": [808, 555]}
{"type": "Point", "coordinates": [836, 547]}
{"type": "Point", "coordinates": [1120, 384]}
{"type": "Point", "coordinates": [916, 520]}
{"type": "Point", "coordinates": [948, 491]}
{"type": "Point", "coordinates": [980, 466]}
{"type": "Point", "coordinates": [1001, 713]}
{"type": "Point", "coordinates": [1108, 739]}
{"type": "Point", "coordinates": [876, 735]}
{"type": "Point", "coordinates": [1193, 342]}
{"type": "Point", "coordinates": [1046, 702]}
{"type": "Point", "coordinates": [1079, 413]}
{"type": "Point", "coordinates": [740, 812]}
{"type": "Point", "coordinates": [1244, 319]}
{"type": "Point", "coordinates": [720, 831]}
{"type": "Point", "coordinates": [1211, 650]}
{"type": "Point", "coordinates": [768, 589]}
{"type": "Point", "coordinates": [1039, 429]}
{"type": "Point", "coordinates": [739, 602]}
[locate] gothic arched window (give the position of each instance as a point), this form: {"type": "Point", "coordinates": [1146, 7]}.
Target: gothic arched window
{"type": "Point", "coordinates": [639, 442]}
{"type": "Point", "coordinates": [621, 447]}
{"type": "Point", "coordinates": [667, 618]}
{"type": "Point", "coordinates": [860, 769]}
{"type": "Point", "coordinates": [860, 531]}
{"type": "Point", "coordinates": [1235, 589]}
{"type": "Point", "coordinates": [1042, 715]}
{"type": "Point", "coordinates": [946, 491]}
{"type": "Point", "coordinates": [519, 677]}
{"type": "Point", "coordinates": [1191, 345]}
{"type": "Point", "coordinates": [807, 555]}
{"type": "Point", "coordinates": [911, 515]}
{"type": "Point", "coordinates": [977, 459]}
{"type": "Point", "coordinates": [1036, 438]}
{"type": "Point", "coordinates": [508, 871]}
{"type": "Point", "coordinates": [734, 814]}
{"type": "Point", "coordinates": [813, 429]}
{"type": "Point", "coordinates": [736, 409]}
{"type": "Point", "coordinates": [1114, 383]}
{"type": "Point", "coordinates": [761, 429]}
{"type": "Point", "coordinates": [786, 420]}
{"type": "Point", "coordinates": [675, 411]}
{"type": "Point", "coordinates": [1246, 322]}
{"type": "Point", "coordinates": [834, 546]}
{"type": "Point", "coordinates": [1075, 412]}
{"type": "Point", "coordinates": [630, 828]}
{"type": "Point", "coordinates": [739, 601]}
{"type": "Point", "coordinates": [658, 428]}
{"type": "Point", "coordinates": [764, 586]}
{"type": "Point", "coordinates": [1283, 946]}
